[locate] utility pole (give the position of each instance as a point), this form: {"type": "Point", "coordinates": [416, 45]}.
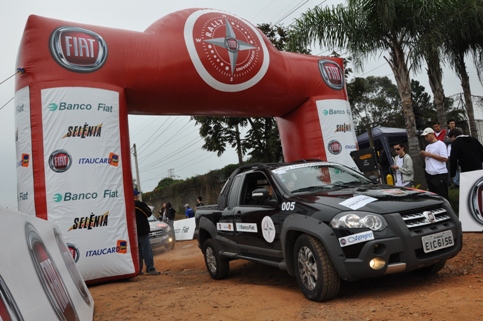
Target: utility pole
{"type": "Point", "coordinates": [138, 181]}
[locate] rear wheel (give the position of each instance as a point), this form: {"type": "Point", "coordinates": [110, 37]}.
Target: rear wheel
{"type": "Point", "coordinates": [315, 273]}
{"type": "Point", "coordinates": [217, 266]}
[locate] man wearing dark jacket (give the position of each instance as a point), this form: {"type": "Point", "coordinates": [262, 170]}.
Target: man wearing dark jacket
{"type": "Point", "coordinates": [466, 151]}
{"type": "Point", "coordinates": [145, 252]}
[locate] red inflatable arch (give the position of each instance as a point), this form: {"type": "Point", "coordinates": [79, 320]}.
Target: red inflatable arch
{"type": "Point", "coordinates": [79, 83]}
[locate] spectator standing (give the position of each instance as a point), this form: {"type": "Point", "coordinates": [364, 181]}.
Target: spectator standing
{"type": "Point", "coordinates": [451, 126]}
{"type": "Point", "coordinates": [402, 167]}
{"type": "Point", "coordinates": [466, 152]}
{"type": "Point", "coordinates": [436, 156]}
{"type": "Point", "coordinates": [170, 214]}
{"type": "Point", "coordinates": [439, 133]}
{"type": "Point", "coordinates": [455, 181]}
{"type": "Point", "coordinates": [145, 251]}
{"type": "Point", "coordinates": [189, 211]}
{"type": "Point", "coordinates": [163, 213]}
{"type": "Point", "coordinates": [199, 202]}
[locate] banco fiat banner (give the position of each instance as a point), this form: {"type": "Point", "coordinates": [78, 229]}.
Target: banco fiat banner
{"type": "Point", "coordinates": [337, 130]}
{"type": "Point", "coordinates": [23, 141]}
{"type": "Point", "coordinates": [83, 177]}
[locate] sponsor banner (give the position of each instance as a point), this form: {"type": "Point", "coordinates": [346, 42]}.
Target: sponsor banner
{"type": "Point", "coordinates": [39, 267]}
{"type": "Point", "coordinates": [23, 141]}
{"type": "Point", "coordinates": [471, 201]}
{"type": "Point", "coordinates": [184, 229]}
{"type": "Point", "coordinates": [83, 178]}
{"type": "Point", "coordinates": [337, 130]}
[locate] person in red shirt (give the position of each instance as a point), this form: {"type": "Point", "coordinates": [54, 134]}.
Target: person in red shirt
{"type": "Point", "coordinates": [439, 133]}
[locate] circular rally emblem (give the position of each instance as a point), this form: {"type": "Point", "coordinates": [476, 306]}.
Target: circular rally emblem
{"type": "Point", "coordinates": [228, 53]}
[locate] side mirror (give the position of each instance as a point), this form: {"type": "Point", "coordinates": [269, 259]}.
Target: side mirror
{"type": "Point", "coordinates": [260, 194]}
{"type": "Point", "coordinates": [374, 179]}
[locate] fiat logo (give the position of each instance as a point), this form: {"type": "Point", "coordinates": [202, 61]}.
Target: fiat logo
{"type": "Point", "coordinates": [335, 147]}
{"type": "Point", "coordinates": [332, 74]}
{"type": "Point", "coordinates": [475, 201]}
{"type": "Point", "coordinates": [78, 49]}
{"type": "Point", "coordinates": [60, 161]}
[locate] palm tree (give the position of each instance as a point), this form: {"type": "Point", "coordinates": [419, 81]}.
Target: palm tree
{"type": "Point", "coordinates": [463, 31]}
{"type": "Point", "coordinates": [367, 28]}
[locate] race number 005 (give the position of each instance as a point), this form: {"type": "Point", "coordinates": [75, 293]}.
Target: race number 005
{"type": "Point", "coordinates": [288, 206]}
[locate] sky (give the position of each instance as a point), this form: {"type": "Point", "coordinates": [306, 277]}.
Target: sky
{"type": "Point", "coordinates": [166, 145]}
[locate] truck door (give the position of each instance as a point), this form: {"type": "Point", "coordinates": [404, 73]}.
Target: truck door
{"type": "Point", "coordinates": [225, 226]}
{"type": "Point", "coordinates": [256, 224]}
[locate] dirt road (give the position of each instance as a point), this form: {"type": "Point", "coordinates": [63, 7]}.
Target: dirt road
{"type": "Point", "coordinates": [185, 291]}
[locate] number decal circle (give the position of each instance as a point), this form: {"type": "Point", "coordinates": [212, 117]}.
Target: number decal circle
{"type": "Point", "coordinates": [268, 229]}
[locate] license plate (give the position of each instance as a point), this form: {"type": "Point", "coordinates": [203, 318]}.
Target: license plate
{"type": "Point", "coordinates": [156, 240]}
{"type": "Point", "coordinates": [437, 241]}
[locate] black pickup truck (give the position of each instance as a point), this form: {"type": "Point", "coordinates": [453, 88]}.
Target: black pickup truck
{"type": "Point", "coordinates": [323, 223]}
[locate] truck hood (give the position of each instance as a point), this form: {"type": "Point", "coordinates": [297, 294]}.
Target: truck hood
{"type": "Point", "coordinates": [380, 199]}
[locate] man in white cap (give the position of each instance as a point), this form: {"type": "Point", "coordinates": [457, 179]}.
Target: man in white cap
{"type": "Point", "coordinates": [436, 156]}
{"type": "Point", "coordinates": [189, 211]}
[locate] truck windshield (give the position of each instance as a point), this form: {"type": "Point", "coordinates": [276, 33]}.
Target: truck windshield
{"type": "Point", "coordinates": [299, 178]}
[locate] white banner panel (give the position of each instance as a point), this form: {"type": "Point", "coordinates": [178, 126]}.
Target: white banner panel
{"type": "Point", "coordinates": [23, 141]}
{"type": "Point", "coordinates": [184, 229]}
{"type": "Point", "coordinates": [83, 177]}
{"type": "Point", "coordinates": [38, 278]}
{"type": "Point", "coordinates": [337, 130]}
{"type": "Point", "coordinates": [471, 201]}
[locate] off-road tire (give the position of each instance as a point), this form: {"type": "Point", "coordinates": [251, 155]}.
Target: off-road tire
{"type": "Point", "coordinates": [315, 273]}
{"type": "Point", "coordinates": [217, 266]}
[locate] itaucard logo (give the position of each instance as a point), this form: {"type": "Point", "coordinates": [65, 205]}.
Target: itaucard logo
{"type": "Point", "coordinates": [25, 161]}
{"type": "Point", "coordinates": [60, 161]}
{"type": "Point", "coordinates": [79, 106]}
{"type": "Point", "coordinates": [112, 159]}
{"type": "Point", "coordinates": [120, 248]}
{"type": "Point", "coordinates": [332, 74]}
{"type": "Point", "coordinates": [475, 201]}
{"type": "Point", "coordinates": [228, 53]}
{"type": "Point", "coordinates": [83, 131]}
{"type": "Point", "coordinates": [90, 222]}
{"type": "Point", "coordinates": [78, 49]}
{"type": "Point", "coordinates": [334, 147]}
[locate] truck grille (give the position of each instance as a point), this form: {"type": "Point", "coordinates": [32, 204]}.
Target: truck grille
{"type": "Point", "coordinates": [423, 218]}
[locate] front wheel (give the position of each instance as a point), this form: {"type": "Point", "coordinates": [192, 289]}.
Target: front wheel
{"type": "Point", "coordinates": [216, 265]}
{"type": "Point", "coordinates": [315, 273]}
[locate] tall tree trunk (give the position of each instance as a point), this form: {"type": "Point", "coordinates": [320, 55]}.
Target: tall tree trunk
{"type": "Point", "coordinates": [460, 67]}
{"type": "Point", "coordinates": [435, 75]}
{"type": "Point", "coordinates": [400, 69]}
{"type": "Point", "coordinates": [238, 145]}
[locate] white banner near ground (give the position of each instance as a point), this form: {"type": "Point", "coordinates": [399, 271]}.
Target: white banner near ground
{"type": "Point", "coordinates": [184, 229]}
{"type": "Point", "coordinates": [471, 201]}
{"type": "Point", "coordinates": [38, 277]}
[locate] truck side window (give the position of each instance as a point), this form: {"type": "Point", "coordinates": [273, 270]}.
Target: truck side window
{"type": "Point", "coordinates": [234, 192]}
{"type": "Point", "coordinates": [252, 182]}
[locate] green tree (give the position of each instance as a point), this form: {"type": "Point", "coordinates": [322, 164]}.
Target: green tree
{"type": "Point", "coordinates": [218, 132]}
{"type": "Point", "coordinates": [366, 28]}
{"type": "Point", "coordinates": [374, 102]}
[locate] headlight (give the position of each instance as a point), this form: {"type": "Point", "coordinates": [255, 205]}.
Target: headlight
{"type": "Point", "coordinates": [372, 221]}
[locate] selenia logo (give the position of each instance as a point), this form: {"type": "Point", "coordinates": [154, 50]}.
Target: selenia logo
{"type": "Point", "coordinates": [332, 74]}
{"type": "Point", "coordinates": [78, 49]}
{"type": "Point", "coordinates": [228, 53]}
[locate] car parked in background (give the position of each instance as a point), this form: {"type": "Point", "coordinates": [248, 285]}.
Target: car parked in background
{"type": "Point", "coordinates": [161, 234]}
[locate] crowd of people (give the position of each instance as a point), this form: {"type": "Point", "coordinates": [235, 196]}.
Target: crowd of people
{"type": "Point", "coordinates": [447, 153]}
